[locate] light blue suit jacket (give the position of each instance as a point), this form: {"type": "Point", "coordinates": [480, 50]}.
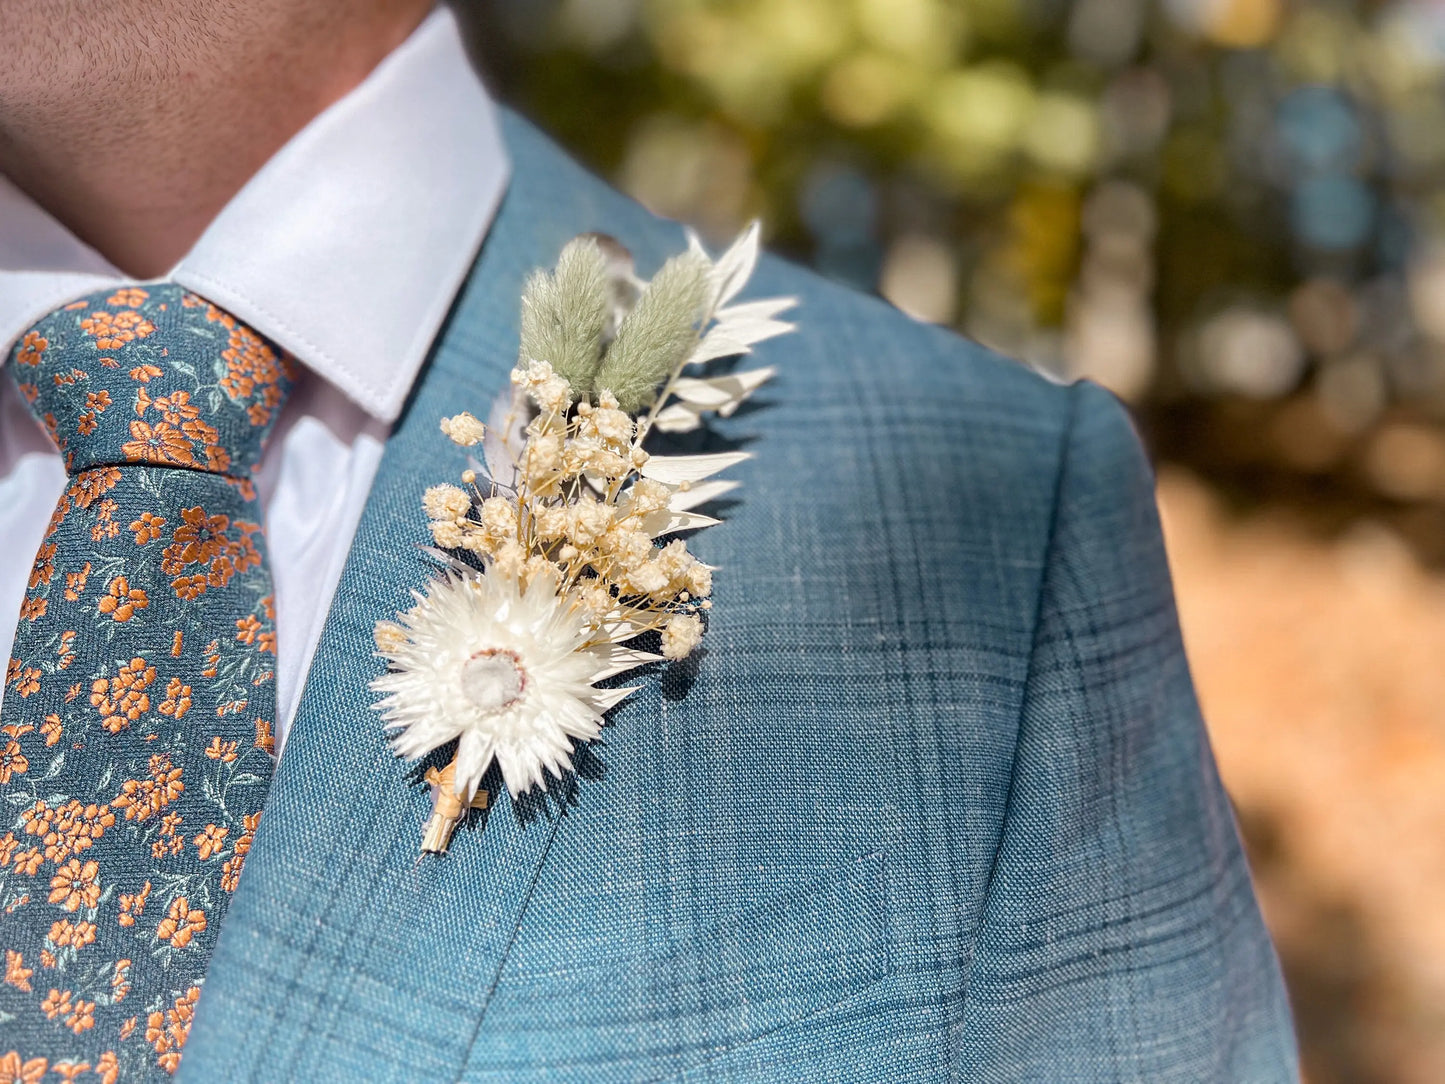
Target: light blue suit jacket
{"type": "Point", "coordinates": [934, 804]}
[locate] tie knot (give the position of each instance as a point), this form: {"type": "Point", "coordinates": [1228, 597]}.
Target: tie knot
{"type": "Point", "coordinates": [152, 375]}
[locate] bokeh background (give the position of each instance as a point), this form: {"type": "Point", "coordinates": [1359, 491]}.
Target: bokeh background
{"type": "Point", "coordinates": [1230, 212]}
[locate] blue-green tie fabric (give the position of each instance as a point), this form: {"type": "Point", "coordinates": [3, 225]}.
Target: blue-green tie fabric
{"type": "Point", "coordinates": [135, 733]}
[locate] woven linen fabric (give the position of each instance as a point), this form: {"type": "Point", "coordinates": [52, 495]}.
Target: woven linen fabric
{"type": "Point", "coordinates": [136, 724]}
{"type": "Point", "coordinates": [933, 803]}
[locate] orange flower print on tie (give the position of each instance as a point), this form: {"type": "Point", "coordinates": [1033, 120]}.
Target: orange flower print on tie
{"type": "Point", "coordinates": [121, 601]}
{"type": "Point", "coordinates": [67, 934]}
{"type": "Point", "coordinates": [123, 699]}
{"type": "Point", "coordinates": [69, 828]}
{"type": "Point", "coordinates": [111, 331]}
{"type": "Point", "coordinates": [177, 701]}
{"type": "Point", "coordinates": [90, 485]}
{"type": "Point", "coordinates": [12, 761]}
{"type": "Point", "coordinates": [120, 981]}
{"type": "Point", "coordinates": [142, 798]}
{"type": "Point", "coordinates": [167, 1031]}
{"type": "Point", "coordinates": [16, 973]}
{"type": "Point", "coordinates": [182, 922]}
{"type": "Point", "coordinates": [43, 570]}
{"type": "Point", "coordinates": [211, 841]}
{"type": "Point", "coordinates": [158, 443]}
{"type": "Point", "coordinates": [130, 297]}
{"type": "Point", "coordinates": [29, 861]}
{"type": "Point", "coordinates": [32, 346]}
{"type": "Point", "coordinates": [75, 583]}
{"type": "Point", "coordinates": [147, 528]}
{"type": "Point", "coordinates": [76, 884]}
{"type": "Point", "coordinates": [22, 1071]}
{"type": "Point", "coordinates": [250, 363]}
{"type": "Point", "coordinates": [132, 905]}
{"type": "Point", "coordinates": [200, 538]}
{"type": "Point", "coordinates": [26, 680]}
{"type": "Point", "coordinates": [177, 409]}
{"type": "Point", "coordinates": [56, 1003]}
{"type": "Point", "coordinates": [81, 1016]}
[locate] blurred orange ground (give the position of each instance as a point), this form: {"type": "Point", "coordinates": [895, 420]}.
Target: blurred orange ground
{"type": "Point", "coordinates": [1321, 669]}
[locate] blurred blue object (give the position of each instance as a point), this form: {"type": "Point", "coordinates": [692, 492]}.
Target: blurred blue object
{"type": "Point", "coordinates": [1332, 212]}
{"type": "Point", "coordinates": [1320, 130]}
{"type": "Point", "coordinates": [838, 205]}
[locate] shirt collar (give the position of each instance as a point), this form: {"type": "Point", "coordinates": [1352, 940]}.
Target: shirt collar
{"type": "Point", "coordinates": [346, 248]}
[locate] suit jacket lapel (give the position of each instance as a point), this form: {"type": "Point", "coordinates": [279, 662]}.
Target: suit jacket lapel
{"type": "Point", "coordinates": [338, 925]}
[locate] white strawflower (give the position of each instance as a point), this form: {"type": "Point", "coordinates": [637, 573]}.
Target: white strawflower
{"type": "Point", "coordinates": [500, 670]}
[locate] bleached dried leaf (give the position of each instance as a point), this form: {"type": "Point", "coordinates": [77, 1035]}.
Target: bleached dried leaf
{"type": "Point", "coordinates": [732, 269]}
{"type": "Point", "coordinates": [506, 436]}
{"type": "Point", "coordinates": [701, 493]}
{"type": "Point", "coordinates": [678, 418]}
{"type": "Point", "coordinates": [733, 337]}
{"type": "Point", "coordinates": [751, 331]}
{"type": "Point", "coordinates": [676, 469]}
{"type": "Point", "coordinates": [717, 343]}
{"type": "Point", "coordinates": [763, 309]}
{"type": "Point", "coordinates": [723, 394]}
{"type": "Point", "coordinates": [667, 522]}
{"type": "Point", "coordinates": [694, 242]}
{"type": "Point", "coordinates": [446, 559]}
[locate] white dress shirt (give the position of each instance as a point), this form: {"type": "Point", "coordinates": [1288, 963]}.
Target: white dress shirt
{"type": "Point", "coordinates": [347, 249]}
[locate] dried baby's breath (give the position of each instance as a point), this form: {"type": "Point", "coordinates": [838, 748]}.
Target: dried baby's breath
{"type": "Point", "coordinates": [464, 429]}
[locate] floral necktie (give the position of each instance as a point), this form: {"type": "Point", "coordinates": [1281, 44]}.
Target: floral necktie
{"type": "Point", "coordinates": [135, 733]}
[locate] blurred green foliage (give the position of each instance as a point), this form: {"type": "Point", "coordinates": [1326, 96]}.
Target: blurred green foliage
{"type": "Point", "coordinates": [1229, 211]}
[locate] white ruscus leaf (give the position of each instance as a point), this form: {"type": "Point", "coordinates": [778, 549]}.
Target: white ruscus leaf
{"type": "Point", "coordinates": [701, 493]}
{"type": "Point", "coordinates": [723, 394]}
{"type": "Point", "coordinates": [676, 469]}
{"type": "Point", "coordinates": [731, 271]}
{"type": "Point", "coordinates": [658, 524]}
{"type": "Point", "coordinates": [678, 418]}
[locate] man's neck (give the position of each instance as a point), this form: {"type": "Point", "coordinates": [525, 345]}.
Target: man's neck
{"type": "Point", "coordinates": [138, 171]}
